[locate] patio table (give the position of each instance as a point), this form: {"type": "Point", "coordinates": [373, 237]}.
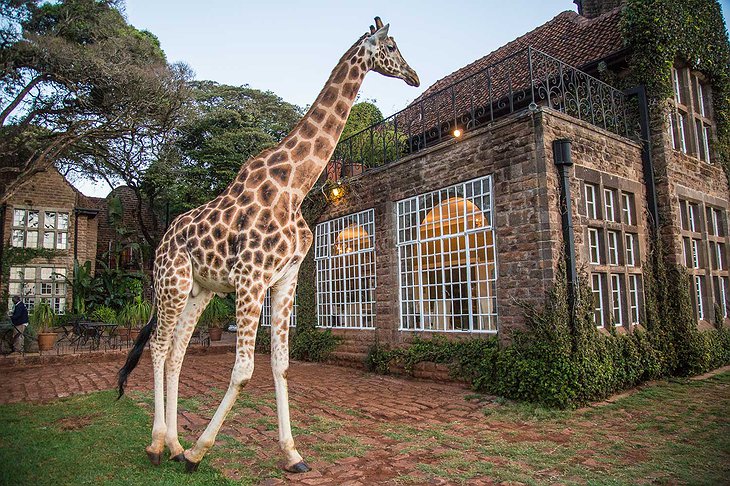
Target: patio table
{"type": "Point", "coordinates": [97, 331]}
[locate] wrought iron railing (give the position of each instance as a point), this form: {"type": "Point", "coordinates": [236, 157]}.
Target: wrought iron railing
{"type": "Point", "coordinates": [527, 77]}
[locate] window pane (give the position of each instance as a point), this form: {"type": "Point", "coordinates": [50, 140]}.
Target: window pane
{"type": "Point", "coordinates": [61, 242]}
{"type": "Point", "coordinates": [683, 132]}
{"type": "Point", "coordinates": [49, 220]}
{"type": "Point", "coordinates": [18, 237]}
{"type": "Point", "coordinates": [63, 221]}
{"type": "Point", "coordinates": [49, 239]}
{"type": "Point", "coordinates": [31, 239]}
{"type": "Point", "coordinates": [19, 217]}
{"type": "Point", "coordinates": [32, 219]}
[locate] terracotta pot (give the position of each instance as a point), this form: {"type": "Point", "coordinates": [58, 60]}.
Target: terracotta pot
{"type": "Point", "coordinates": [46, 340]}
{"type": "Point", "coordinates": [124, 333]}
{"type": "Point", "coordinates": [133, 333]}
{"type": "Point", "coordinates": [215, 333]}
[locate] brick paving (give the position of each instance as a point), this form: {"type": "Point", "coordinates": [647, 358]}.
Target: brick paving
{"type": "Point", "coordinates": [329, 404]}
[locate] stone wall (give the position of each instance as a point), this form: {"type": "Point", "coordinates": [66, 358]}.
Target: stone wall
{"type": "Point", "coordinates": [49, 190]}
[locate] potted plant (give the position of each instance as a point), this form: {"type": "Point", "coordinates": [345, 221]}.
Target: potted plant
{"type": "Point", "coordinates": [42, 320]}
{"type": "Point", "coordinates": [134, 315]}
{"type": "Point", "coordinates": [217, 312]}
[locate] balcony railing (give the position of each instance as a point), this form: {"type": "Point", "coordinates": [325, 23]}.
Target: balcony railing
{"type": "Point", "coordinates": [527, 78]}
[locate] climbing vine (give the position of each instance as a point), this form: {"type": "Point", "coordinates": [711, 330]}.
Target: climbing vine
{"type": "Point", "coordinates": [661, 31]}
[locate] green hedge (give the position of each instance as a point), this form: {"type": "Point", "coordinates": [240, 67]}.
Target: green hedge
{"type": "Point", "coordinates": [562, 360]}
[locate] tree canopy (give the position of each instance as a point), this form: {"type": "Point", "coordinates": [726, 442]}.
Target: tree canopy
{"type": "Point", "coordinates": [78, 86]}
{"type": "Point", "coordinates": [224, 127]}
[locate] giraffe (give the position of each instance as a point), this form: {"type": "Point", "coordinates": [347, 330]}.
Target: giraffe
{"type": "Point", "coordinates": [250, 238]}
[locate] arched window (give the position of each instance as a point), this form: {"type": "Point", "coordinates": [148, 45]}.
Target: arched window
{"type": "Point", "coordinates": [447, 259]}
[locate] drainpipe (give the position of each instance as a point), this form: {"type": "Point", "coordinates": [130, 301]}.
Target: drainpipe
{"type": "Point", "coordinates": [563, 161]}
{"type": "Point", "coordinates": [3, 209]}
{"type": "Point", "coordinates": [648, 164]}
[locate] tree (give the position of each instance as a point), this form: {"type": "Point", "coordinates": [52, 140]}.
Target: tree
{"type": "Point", "coordinates": [224, 127]}
{"type": "Point", "coordinates": [77, 86]}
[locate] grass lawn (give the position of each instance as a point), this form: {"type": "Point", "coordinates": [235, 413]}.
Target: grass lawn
{"type": "Point", "coordinates": [671, 432]}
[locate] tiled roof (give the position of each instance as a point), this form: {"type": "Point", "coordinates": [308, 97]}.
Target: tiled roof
{"type": "Point", "coordinates": [569, 37]}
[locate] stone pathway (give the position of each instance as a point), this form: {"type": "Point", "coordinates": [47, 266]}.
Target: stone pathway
{"type": "Point", "coordinates": [347, 422]}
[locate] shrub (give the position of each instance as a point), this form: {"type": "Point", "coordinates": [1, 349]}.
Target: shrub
{"type": "Point", "coordinates": [42, 317]}
{"type": "Point", "coordinates": [104, 314]}
{"type": "Point", "coordinates": [311, 344]}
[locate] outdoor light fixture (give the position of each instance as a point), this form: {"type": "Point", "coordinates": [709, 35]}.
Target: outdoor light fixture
{"type": "Point", "coordinates": [334, 192]}
{"type": "Point", "coordinates": [457, 133]}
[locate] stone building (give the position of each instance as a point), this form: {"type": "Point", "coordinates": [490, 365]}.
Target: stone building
{"type": "Point", "coordinates": [47, 213]}
{"type": "Point", "coordinates": [455, 218]}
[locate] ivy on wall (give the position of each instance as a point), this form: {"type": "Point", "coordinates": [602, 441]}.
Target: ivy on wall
{"type": "Point", "coordinates": [662, 31]}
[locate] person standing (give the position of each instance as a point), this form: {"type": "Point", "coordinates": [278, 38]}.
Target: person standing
{"type": "Point", "coordinates": [19, 319]}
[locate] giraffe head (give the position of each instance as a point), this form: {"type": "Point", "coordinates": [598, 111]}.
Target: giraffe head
{"type": "Point", "coordinates": [385, 57]}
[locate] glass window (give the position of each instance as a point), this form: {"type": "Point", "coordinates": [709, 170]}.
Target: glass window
{"type": "Point", "coordinates": [594, 250]}
{"type": "Point", "coordinates": [699, 292]}
{"type": "Point", "coordinates": [597, 289]}
{"type": "Point", "coordinates": [616, 293]}
{"type": "Point", "coordinates": [612, 248]}
{"type": "Point", "coordinates": [610, 204]}
{"type": "Point", "coordinates": [447, 259]}
{"type": "Point", "coordinates": [591, 201]}
{"type": "Point", "coordinates": [345, 279]}
{"type": "Point", "coordinates": [26, 224]}
{"type": "Point", "coordinates": [628, 207]}
{"type": "Point", "coordinates": [630, 253]}
{"type": "Point", "coordinates": [634, 298]}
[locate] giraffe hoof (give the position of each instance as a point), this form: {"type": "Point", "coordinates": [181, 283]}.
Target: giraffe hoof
{"type": "Point", "coordinates": [178, 458]}
{"type": "Point", "coordinates": [190, 467]}
{"type": "Point", "coordinates": [154, 458]}
{"type": "Point", "coordinates": [300, 467]}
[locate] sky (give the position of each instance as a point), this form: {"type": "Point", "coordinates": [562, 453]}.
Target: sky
{"type": "Point", "coordinates": [290, 47]}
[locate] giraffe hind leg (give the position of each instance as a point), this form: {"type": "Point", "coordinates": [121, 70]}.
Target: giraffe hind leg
{"type": "Point", "coordinates": [180, 340]}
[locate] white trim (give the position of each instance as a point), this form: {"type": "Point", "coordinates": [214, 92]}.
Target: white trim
{"type": "Point", "coordinates": [698, 295]}
{"type": "Point", "coordinates": [630, 253]}
{"type": "Point", "coordinates": [596, 278]}
{"type": "Point", "coordinates": [616, 305]}
{"type": "Point", "coordinates": [695, 253]}
{"type": "Point", "coordinates": [612, 237]}
{"type": "Point", "coordinates": [455, 224]}
{"type": "Point", "coordinates": [634, 314]}
{"type": "Point", "coordinates": [591, 206]}
{"type": "Point", "coordinates": [723, 296]}
{"type": "Point", "coordinates": [594, 249]}
{"type": "Point", "coordinates": [628, 210]}
{"type": "Point", "coordinates": [609, 202]}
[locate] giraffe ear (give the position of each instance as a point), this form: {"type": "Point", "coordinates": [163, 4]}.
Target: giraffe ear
{"type": "Point", "coordinates": [380, 35]}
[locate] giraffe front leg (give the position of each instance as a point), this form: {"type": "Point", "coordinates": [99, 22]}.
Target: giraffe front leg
{"type": "Point", "coordinates": [248, 309]}
{"type": "Point", "coordinates": [282, 300]}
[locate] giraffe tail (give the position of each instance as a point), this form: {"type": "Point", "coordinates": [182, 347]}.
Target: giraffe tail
{"type": "Point", "coordinates": [136, 352]}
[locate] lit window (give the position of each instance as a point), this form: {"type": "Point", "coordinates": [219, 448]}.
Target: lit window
{"type": "Point", "coordinates": [591, 201]}
{"type": "Point", "coordinates": [616, 299]}
{"type": "Point", "coordinates": [345, 258]}
{"type": "Point", "coordinates": [595, 254]}
{"type": "Point", "coordinates": [447, 261]}
{"type": "Point", "coordinates": [597, 289]}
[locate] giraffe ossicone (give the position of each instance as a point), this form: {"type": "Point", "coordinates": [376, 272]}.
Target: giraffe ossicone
{"type": "Point", "coordinates": [250, 238]}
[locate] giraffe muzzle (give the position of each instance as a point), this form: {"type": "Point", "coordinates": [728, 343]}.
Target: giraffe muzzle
{"type": "Point", "coordinates": [411, 78]}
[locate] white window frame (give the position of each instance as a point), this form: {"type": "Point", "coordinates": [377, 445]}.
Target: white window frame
{"type": "Point", "coordinates": [437, 314]}
{"type": "Point", "coordinates": [343, 307]}
{"type": "Point", "coordinates": [596, 278]}
{"type": "Point", "coordinates": [591, 206]}
{"type": "Point", "coordinates": [594, 249]}
{"type": "Point", "coordinates": [31, 282]}
{"type": "Point", "coordinates": [692, 216]}
{"type": "Point", "coordinates": [695, 253]}
{"type": "Point", "coordinates": [698, 294]}
{"type": "Point", "coordinates": [682, 136]}
{"type": "Point", "coordinates": [44, 226]}
{"type": "Point", "coordinates": [630, 253]}
{"type": "Point", "coordinates": [612, 237]}
{"type": "Point", "coordinates": [609, 202]}
{"type": "Point", "coordinates": [628, 209]}
{"type": "Point", "coordinates": [715, 222]}
{"type": "Point", "coordinates": [634, 314]}
{"type": "Point", "coordinates": [718, 256]}
{"type": "Point", "coordinates": [616, 306]}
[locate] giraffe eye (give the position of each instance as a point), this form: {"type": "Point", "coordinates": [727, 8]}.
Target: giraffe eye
{"type": "Point", "coordinates": [391, 48]}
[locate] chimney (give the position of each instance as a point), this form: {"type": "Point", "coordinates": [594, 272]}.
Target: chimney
{"type": "Point", "coordinates": [594, 8]}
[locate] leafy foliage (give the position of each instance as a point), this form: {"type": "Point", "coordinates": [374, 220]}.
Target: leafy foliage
{"type": "Point", "coordinates": [79, 85]}
{"type": "Point", "coordinates": [42, 317]}
{"type": "Point", "coordinates": [135, 314]}
{"type": "Point", "coordinates": [104, 314]}
{"type": "Point", "coordinates": [311, 344]}
{"type": "Point", "coordinates": [661, 31]}
{"type": "Point", "coordinates": [224, 127]}
{"type": "Point", "coordinates": [216, 313]}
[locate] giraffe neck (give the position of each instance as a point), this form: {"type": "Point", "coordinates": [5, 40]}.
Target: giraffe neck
{"type": "Point", "coordinates": [306, 151]}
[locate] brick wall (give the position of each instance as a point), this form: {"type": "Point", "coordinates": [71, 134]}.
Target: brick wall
{"type": "Point", "coordinates": [49, 190]}
{"type": "Point", "coordinates": [594, 8]}
{"type": "Point", "coordinates": [517, 152]}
